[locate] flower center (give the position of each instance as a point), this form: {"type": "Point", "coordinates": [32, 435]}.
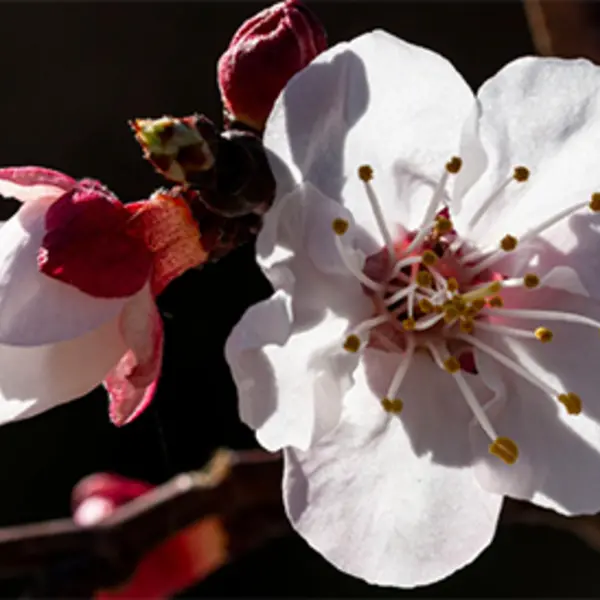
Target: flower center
{"type": "Point", "coordinates": [432, 292]}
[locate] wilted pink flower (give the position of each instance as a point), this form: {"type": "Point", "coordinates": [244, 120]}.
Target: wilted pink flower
{"type": "Point", "coordinates": [263, 55]}
{"type": "Point", "coordinates": [78, 275]}
{"type": "Point", "coordinates": [178, 562]}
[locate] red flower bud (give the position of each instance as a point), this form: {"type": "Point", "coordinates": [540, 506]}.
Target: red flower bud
{"type": "Point", "coordinates": [263, 55]}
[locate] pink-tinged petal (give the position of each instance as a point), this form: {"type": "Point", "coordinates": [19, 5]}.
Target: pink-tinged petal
{"type": "Point", "coordinates": [36, 379]}
{"type": "Point", "coordinates": [132, 383]}
{"type": "Point", "coordinates": [89, 246]}
{"type": "Point", "coordinates": [32, 183]}
{"type": "Point", "coordinates": [36, 309]}
{"type": "Point", "coordinates": [166, 225]}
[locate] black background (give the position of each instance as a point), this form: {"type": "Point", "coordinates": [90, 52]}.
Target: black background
{"type": "Point", "coordinates": [72, 74]}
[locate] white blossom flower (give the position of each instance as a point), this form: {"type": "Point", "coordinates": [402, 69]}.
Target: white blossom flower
{"type": "Point", "coordinates": [432, 343]}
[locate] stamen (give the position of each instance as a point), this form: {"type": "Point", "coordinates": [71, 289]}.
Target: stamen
{"type": "Point", "coordinates": [530, 281]}
{"type": "Point", "coordinates": [452, 364]}
{"type": "Point", "coordinates": [452, 284]}
{"type": "Point", "coordinates": [429, 258]}
{"type": "Point", "coordinates": [443, 225]}
{"type": "Point", "coordinates": [400, 294]}
{"type": "Point", "coordinates": [394, 406]}
{"type": "Point", "coordinates": [520, 174]}
{"type": "Point", "coordinates": [402, 369]}
{"type": "Point", "coordinates": [496, 302]}
{"type": "Point", "coordinates": [368, 324]}
{"type": "Point", "coordinates": [365, 172]}
{"type": "Point", "coordinates": [425, 306]}
{"type": "Point", "coordinates": [424, 279]}
{"type": "Point", "coordinates": [593, 204]}
{"type": "Point", "coordinates": [508, 363]}
{"type": "Point", "coordinates": [505, 330]}
{"type": "Point", "coordinates": [401, 264]}
{"type": "Point", "coordinates": [482, 291]}
{"type": "Point", "coordinates": [423, 324]}
{"type": "Point", "coordinates": [508, 243]}
{"type": "Point", "coordinates": [439, 354]}
{"type": "Point", "coordinates": [340, 226]}
{"type": "Point", "coordinates": [409, 324]}
{"type": "Point", "coordinates": [452, 167]}
{"type": "Point", "coordinates": [549, 315]}
{"type": "Point", "coordinates": [366, 281]}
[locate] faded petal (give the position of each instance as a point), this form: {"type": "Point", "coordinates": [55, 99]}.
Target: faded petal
{"type": "Point", "coordinates": [37, 378]}
{"type": "Point", "coordinates": [391, 499]}
{"type": "Point", "coordinates": [543, 113]}
{"type": "Point", "coordinates": [131, 384]}
{"type": "Point", "coordinates": [33, 183]}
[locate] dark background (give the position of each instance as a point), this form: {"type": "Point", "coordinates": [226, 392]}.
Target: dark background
{"type": "Point", "coordinates": [72, 74]}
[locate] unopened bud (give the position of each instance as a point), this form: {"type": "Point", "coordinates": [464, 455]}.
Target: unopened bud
{"type": "Point", "coordinates": [177, 148]}
{"type": "Point", "coordinates": [263, 55]}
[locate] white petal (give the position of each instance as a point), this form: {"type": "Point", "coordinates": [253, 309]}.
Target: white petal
{"type": "Point", "coordinates": [376, 100]}
{"type": "Point", "coordinates": [38, 378]}
{"type": "Point", "coordinates": [542, 113]}
{"type": "Point", "coordinates": [290, 379]}
{"type": "Point", "coordinates": [34, 308]}
{"type": "Point", "coordinates": [559, 453]}
{"type": "Point", "coordinates": [389, 499]}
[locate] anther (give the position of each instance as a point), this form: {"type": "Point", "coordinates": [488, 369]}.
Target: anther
{"type": "Point", "coordinates": [452, 364]}
{"type": "Point", "coordinates": [478, 304]}
{"type": "Point", "coordinates": [452, 284]}
{"type": "Point", "coordinates": [365, 172]}
{"type": "Point", "coordinates": [450, 314]}
{"type": "Point", "coordinates": [496, 302]}
{"type": "Point", "coordinates": [543, 334]}
{"type": "Point", "coordinates": [409, 324]}
{"type": "Point", "coordinates": [521, 174]}
{"type": "Point", "coordinates": [425, 306]}
{"type": "Point", "coordinates": [424, 278]}
{"type": "Point", "coordinates": [505, 449]}
{"type": "Point", "coordinates": [508, 243]}
{"type": "Point", "coordinates": [466, 325]}
{"type": "Point", "coordinates": [443, 225]}
{"type": "Point", "coordinates": [453, 165]}
{"type": "Point", "coordinates": [340, 226]}
{"type": "Point", "coordinates": [531, 280]}
{"type": "Point", "coordinates": [352, 343]}
{"type": "Point", "coordinates": [595, 202]}
{"type": "Point", "coordinates": [429, 258]}
{"type": "Point", "coordinates": [571, 401]}
{"type": "Point", "coordinates": [459, 304]}
{"type": "Point", "coordinates": [392, 406]}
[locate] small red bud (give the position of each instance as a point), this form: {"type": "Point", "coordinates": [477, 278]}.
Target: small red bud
{"type": "Point", "coordinates": [263, 55]}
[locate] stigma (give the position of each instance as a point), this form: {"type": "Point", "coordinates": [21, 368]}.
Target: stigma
{"type": "Point", "coordinates": [432, 290]}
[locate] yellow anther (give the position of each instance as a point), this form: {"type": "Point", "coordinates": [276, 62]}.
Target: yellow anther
{"type": "Point", "coordinates": [340, 226]}
{"type": "Point", "coordinates": [521, 174]}
{"type": "Point", "coordinates": [531, 280]}
{"type": "Point", "coordinates": [496, 302]}
{"type": "Point", "coordinates": [424, 278]}
{"type": "Point", "coordinates": [478, 304]}
{"type": "Point", "coordinates": [365, 172]}
{"type": "Point", "coordinates": [466, 325]}
{"type": "Point", "coordinates": [450, 314]}
{"type": "Point", "coordinates": [571, 401]}
{"type": "Point", "coordinates": [392, 406]}
{"type": "Point", "coordinates": [425, 306]}
{"type": "Point", "coordinates": [437, 309]}
{"type": "Point", "coordinates": [452, 364]}
{"type": "Point", "coordinates": [543, 334]}
{"type": "Point", "coordinates": [429, 258]}
{"type": "Point", "coordinates": [505, 449]}
{"type": "Point", "coordinates": [470, 312]}
{"type": "Point", "coordinates": [352, 343]}
{"type": "Point", "coordinates": [409, 324]}
{"type": "Point", "coordinates": [452, 284]}
{"type": "Point", "coordinates": [443, 225]}
{"type": "Point", "coordinates": [453, 165]}
{"type": "Point", "coordinates": [494, 287]}
{"type": "Point", "coordinates": [508, 243]}
{"type": "Point", "coordinates": [459, 304]}
{"type": "Point", "coordinates": [595, 202]}
{"type": "Point", "coordinates": [386, 404]}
